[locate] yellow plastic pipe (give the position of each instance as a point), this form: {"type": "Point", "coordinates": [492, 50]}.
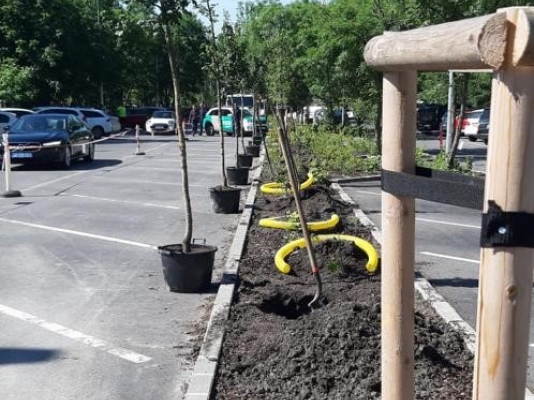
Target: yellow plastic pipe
{"type": "Point", "coordinates": [278, 188]}
{"type": "Point", "coordinates": [288, 248]}
{"type": "Point", "coordinates": [279, 223]}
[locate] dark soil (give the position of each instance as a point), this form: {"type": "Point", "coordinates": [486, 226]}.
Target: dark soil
{"type": "Point", "coordinates": [276, 347]}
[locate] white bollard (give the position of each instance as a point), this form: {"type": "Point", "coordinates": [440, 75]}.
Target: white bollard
{"type": "Point", "coordinates": [138, 151]}
{"type": "Point", "coordinates": [7, 166]}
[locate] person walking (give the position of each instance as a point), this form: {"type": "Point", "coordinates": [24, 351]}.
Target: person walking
{"type": "Point", "coordinates": [202, 113]}
{"type": "Point", "coordinates": [194, 119]}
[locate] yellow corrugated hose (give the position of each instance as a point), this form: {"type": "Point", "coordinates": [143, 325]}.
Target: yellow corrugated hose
{"type": "Point", "coordinates": [287, 249]}
{"type": "Point", "coordinates": [278, 188]}
{"type": "Point", "coordinates": [280, 223]}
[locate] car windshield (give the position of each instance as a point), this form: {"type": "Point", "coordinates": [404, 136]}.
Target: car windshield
{"type": "Point", "coordinates": [163, 114]}
{"type": "Point", "coordinates": [39, 123]}
{"type": "Point", "coordinates": [473, 114]}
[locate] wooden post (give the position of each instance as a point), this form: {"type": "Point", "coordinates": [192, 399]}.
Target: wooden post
{"type": "Point", "coordinates": [505, 284]}
{"type": "Point", "coordinates": [398, 225]}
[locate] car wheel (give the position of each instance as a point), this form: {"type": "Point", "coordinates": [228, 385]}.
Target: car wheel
{"type": "Point", "coordinates": [209, 129]}
{"type": "Point", "coordinates": [98, 132]}
{"type": "Point", "coordinates": [90, 156]}
{"type": "Point", "coordinates": [66, 158]}
{"type": "Point", "coordinates": [472, 138]}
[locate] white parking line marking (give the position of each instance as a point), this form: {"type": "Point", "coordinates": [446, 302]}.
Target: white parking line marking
{"type": "Point", "coordinates": [54, 181]}
{"type": "Point", "coordinates": [434, 221]}
{"type": "Point", "coordinates": [121, 201]}
{"type": "Point", "coordinates": [78, 233]}
{"type": "Point", "coordinates": [427, 253]}
{"type": "Point", "coordinates": [134, 181]}
{"type": "Point", "coordinates": [81, 172]}
{"type": "Point", "coordinates": [75, 335]}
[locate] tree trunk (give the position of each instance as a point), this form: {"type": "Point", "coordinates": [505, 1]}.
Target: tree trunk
{"type": "Point", "coordinates": [175, 75]}
{"type": "Point", "coordinates": [458, 130]}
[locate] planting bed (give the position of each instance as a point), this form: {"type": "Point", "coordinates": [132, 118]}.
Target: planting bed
{"type": "Point", "coordinates": [276, 347]}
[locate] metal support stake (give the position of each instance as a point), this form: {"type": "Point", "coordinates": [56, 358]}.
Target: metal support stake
{"type": "Point", "coordinates": [138, 151]}
{"type": "Point", "coordinates": [7, 165]}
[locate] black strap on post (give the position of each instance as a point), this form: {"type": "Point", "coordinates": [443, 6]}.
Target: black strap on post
{"type": "Point", "coordinates": [506, 229]}
{"type": "Point", "coordinates": [439, 186]}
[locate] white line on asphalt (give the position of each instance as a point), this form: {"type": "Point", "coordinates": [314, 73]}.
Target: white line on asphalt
{"type": "Point", "coordinates": [427, 253]}
{"type": "Point", "coordinates": [434, 221]}
{"type": "Point", "coordinates": [80, 172]}
{"type": "Point", "coordinates": [54, 181]}
{"type": "Point", "coordinates": [75, 335]}
{"type": "Point", "coordinates": [135, 181]}
{"type": "Point", "coordinates": [78, 233]}
{"type": "Point", "coordinates": [121, 201]}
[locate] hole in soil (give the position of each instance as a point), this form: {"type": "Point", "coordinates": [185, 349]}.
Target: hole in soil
{"type": "Point", "coordinates": [286, 305]}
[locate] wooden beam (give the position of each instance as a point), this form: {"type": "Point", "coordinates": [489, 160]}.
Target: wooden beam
{"type": "Point", "coordinates": [505, 284]}
{"type": "Point", "coordinates": [476, 43]}
{"type": "Point", "coordinates": [523, 49]}
{"type": "Point", "coordinates": [398, 226]}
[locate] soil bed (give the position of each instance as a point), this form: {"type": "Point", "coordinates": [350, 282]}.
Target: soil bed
{"type": "Point", "coordinates": [276, 347]}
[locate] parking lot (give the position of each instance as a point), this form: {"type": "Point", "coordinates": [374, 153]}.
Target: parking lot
{"type": "Point", "coordinates": [83, 306]}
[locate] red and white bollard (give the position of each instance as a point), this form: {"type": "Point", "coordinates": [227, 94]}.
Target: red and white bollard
{"type": "Point", "coordinates": [138, 151]}
{"type": "Point", "coordinates": [7, 167]}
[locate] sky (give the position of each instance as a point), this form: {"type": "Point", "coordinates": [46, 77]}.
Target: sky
{"type": "Point", "coordinates": [231, 7]}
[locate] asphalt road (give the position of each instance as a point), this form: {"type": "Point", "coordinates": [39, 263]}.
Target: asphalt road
{"type": "Point", "coordinates": [447, 242]}
{"type": "Point", "coordinates": [84, 310]}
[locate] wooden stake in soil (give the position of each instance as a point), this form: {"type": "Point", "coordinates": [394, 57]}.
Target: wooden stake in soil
{"type": "Point", "coordinates": [398, 249]}
{"type": "Point", "coordinates": [505, 283]}
{"type": "Point", "coordinates": [293, 179]}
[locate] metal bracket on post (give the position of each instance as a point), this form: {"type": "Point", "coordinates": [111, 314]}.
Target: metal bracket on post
{"type": "Point", "coordinates": [7, 166]}
{"type": "Point", "coordinates": [506, 229]}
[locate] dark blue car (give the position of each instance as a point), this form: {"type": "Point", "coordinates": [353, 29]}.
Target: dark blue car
{"type": "Point", "coordinates": [50, 138]}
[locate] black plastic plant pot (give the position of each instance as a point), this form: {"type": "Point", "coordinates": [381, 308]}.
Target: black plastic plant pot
{"type": "Point", "coordinates": [244, 160]}
{"type": "Point", "coordinates": [237, 175]}
{"type": "Point", "coordinates": [256, 141]}
{"type": "Point", "coordinates": [187, 272]}
{"type": "Point", "coordinates": [253, 150]}
{"type": "Point", "coordinates": [225, 200]}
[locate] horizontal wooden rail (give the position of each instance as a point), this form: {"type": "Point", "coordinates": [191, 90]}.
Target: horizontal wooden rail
{"type": "Point", "coordinates": [476, 43]}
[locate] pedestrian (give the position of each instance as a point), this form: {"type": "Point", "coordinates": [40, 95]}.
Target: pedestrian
{"type": "Point", "coordinates": [202, 113]}
{"type": "Point", "coordinates": [194, 119]}
{"type": "Point", "coordinates": [238, 121]}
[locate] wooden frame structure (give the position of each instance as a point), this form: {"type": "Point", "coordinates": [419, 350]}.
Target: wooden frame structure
{"type": "Point", "coordinates": [503, 42]}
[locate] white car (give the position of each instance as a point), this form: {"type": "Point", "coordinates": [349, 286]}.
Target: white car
{"type": "Point", "coordinates": [161, 122]}
{"type": "Point", "coordinates": [19, 112]}
{"type": "Point", "coordinates": [470, 124]}
{"type": "Point", "coordinates": [95, 119]}
{"type": "Point", "coordinates": [98, 121]}
{"type": "Point", "coordinates": [6, 119]}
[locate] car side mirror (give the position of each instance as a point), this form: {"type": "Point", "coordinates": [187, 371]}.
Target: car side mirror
{"type": "Point", "coordinates": [6, 128]}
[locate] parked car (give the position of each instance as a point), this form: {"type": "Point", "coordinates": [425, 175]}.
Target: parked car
{"type": "Point", "coordinates": [483, 126]}
{"type": "Point", "coordinates": [97, 120]}
{"type": "Point", "coordinates": [429, 117]}
{"type": "Point", "coordinates": [6, 119]}
{"type": "Point", "coordinates": [19, 112]}
{"type": "Point", "coordinates": [115, 123]}
{"type": "Point", "coordinates": [211, 124]}
{"type": "Point", "coordinates": [470, 124]}
{"type": "Point", "coordinates": [50, 138]}
{"type": "Point", "coordinates": [161, 122]}
{"type": "Point", "coordinates": [138, 116]}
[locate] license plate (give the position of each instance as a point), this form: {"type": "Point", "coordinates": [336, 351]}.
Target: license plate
{"type": "Point", "coordinates": [22, 154]}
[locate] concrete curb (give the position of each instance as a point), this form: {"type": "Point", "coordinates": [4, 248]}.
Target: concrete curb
{"type": "Point", "coordinates": [424, 288]}
{"type": "Point", "coordinates": [203, 377]}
